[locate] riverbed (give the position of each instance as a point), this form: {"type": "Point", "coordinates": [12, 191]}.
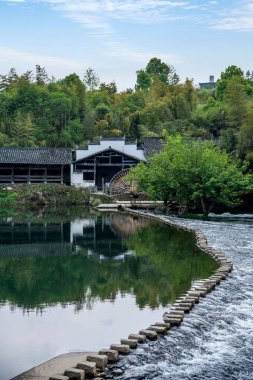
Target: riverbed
{"type": "Point", "coordinates": [74, 280]}
{"type": "Point", "coordinates": [214, 342]}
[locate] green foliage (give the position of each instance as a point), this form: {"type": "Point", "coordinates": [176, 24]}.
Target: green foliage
{"type": "Point", "coordinates": [235, 101]}
{"type": "Point", "coordinates": [230, 73]}
{"type": "Point", "coordinates": [36, 110]}
{"type": "Point", "coordinates": [245, 143]}
{"type": "Point", "coordinates": [44, 194]}
{"type": "Point", "coordinates": [23, 133]}
{"type": "Point", "coordinates": [91, 79]}
{"type": "Point", "coordinates": [165, 73]}
{"type": "Point", "coordinates": [193, 173]}
{"type": "Point", "coordinates": [143, 81]}
{"type": "Point", "coordinates": [7, 196]}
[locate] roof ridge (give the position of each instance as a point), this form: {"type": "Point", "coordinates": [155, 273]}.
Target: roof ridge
{"type": "Point", "coordinates": [35, 148]}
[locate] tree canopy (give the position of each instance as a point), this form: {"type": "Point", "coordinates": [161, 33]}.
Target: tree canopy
{"type": "Point", "coordinates": [72, 110]}
{"type": "Point", "coordinates": [193, 173]}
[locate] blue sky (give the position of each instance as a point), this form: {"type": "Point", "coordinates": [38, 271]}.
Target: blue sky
{"type": "Point", "coordinates": [118, 37]}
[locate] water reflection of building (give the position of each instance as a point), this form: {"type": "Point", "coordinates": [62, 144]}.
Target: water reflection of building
{"type": "Point", "coordinates": [102, 235]}
{"type": "Point", "coordinates": [98, 237]}
{"type": "Point", "coordinates": [34, 239]}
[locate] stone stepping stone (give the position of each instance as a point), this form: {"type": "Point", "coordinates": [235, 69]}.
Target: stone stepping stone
{"type": "Point", "coordinates": [132, 343]}
{"type": "Point", "coordinates": [75, 373]}
{"type": "Point", "coordinates": [158, 329]}
{"type": "Point", "coordinates": [173, 321]}
{"type": "Point", "coordinates": [121, 348]}
{"type": "Point", "coordinates": [112, 355]}
{"type": "Point", "coordinates": [152, 335]}
{"type": "Point", "coordinates": [176, 312]}
{"type": "Point", "coordinates": [163, 324]}
{"type": "Point", "coordinates": [173, 316]}
{"type": "Point", "coordinates": [89, 368]}
{"type": "Point", "coordinates": [100, 360]}
{"type": "Point", "coordinates": [139, 337]}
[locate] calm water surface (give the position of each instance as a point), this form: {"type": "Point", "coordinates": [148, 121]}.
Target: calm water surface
{"type": "Point", "coordinates": [80, 280]}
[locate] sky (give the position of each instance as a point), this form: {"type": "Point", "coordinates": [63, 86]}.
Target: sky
{"type": "Point", "coordinates": [118, 37]}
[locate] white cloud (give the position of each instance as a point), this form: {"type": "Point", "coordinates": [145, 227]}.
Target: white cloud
{"type": "Point", "coordinates": [13, 57]}
{"type": "Point", "coordinates": [128, 53]}
{"type": "Point", "coordinates": [239, 18]}
{"type": "Point", "coordinates": [98, 17]}
{"type": "Point", "coordinates": [129, 10]}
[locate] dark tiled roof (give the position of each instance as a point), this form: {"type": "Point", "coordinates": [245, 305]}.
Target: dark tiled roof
{"type": "Point", "coordinates": [62, 156]}
{"type": "Point", "coordinates": [152, 145]}
{"type": "Point", "coordinates": [112, 139]}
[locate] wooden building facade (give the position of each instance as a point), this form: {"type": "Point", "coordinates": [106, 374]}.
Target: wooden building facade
{"type": "Point", "coordinates": [94, 166]}
{"type": "Point", "coordinates": [35, 165]}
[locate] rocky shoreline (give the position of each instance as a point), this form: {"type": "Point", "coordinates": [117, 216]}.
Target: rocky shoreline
{"type": "Point", "coordinates": [106, 363]}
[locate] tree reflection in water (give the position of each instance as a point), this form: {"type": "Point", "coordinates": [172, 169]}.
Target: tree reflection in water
{"type": "Point", "coordinates": [93, 257]}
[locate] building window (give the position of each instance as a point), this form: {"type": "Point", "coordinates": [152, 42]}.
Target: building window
{"type": "Point", "coordinates": [88, 176]}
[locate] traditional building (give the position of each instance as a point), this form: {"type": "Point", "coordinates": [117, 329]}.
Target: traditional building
{"type": "Point", "coordinates": [35, 165]}
{"type": "Point", "coordinates": [94, 166]}
{"type": "Point", "coordinates": [100, 162]}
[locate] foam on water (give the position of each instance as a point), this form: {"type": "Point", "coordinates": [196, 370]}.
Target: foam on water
{"type": "Point", "coordinates": [215, 341]}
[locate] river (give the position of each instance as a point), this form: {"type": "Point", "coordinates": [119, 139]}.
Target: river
{"type": "Point", "coordinates": [80, 280]}
{"type": "Point", "coordinates": [214, 342]}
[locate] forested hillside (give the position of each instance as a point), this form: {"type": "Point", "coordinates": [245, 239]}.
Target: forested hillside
{"type": "Point", "coordinates": [36, 110]}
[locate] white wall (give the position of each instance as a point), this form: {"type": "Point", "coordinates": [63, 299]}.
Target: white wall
{"type": "Point", "coordinates": [77, 179]}
{"type": "Point", "coordinates": [119, 145]}
{"type": "Point", "coordinates": [76, 227]}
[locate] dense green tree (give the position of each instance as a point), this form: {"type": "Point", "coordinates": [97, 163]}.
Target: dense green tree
{"type": "Point", "coordinates": [245, 138]}
{"type": "Point", "coordinates": [192, 172]}
{"type": "Point", "coordinates": [110, 88]}
{"type": "Point", "coordinates": [157, 68]}
{"type": "Point", "coordinates": [165, 73]}
{"type": "Point", "coordinates": [41, 76]}
{"type": "Point", "coordinates": [68, 112]}
{"type": "Point", "coordinates": [143, 81]}
{"type": "Point", "coordinates": [235, 101]}
{"type": "Point", "coordinates": [228, 140]}
{"type": "Point", "coordinates": [23, 131]}
{"type": "Point", "coordinates": [6, 81]}
{"type": "Point", "coordinates": [226, 76]}
{"type": "Point", "coordinates": [91, 79]}
{"type": "Point", "coordinates": [102, 110]}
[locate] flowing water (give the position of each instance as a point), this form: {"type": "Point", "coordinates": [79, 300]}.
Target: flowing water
{"type": "Point", "coordinates": [74, 280]}
{"type": "Point", "coordinates": [214, 342]}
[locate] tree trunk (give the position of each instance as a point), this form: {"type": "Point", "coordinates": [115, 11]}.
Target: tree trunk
{"type": "Point", "coordinates": [203, 207]}
{"type": "Point", "coordinates": [210, 208]}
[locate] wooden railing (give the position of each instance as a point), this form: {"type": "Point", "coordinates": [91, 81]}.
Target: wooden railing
{"type": "Point", "coordinates": [29, 179]}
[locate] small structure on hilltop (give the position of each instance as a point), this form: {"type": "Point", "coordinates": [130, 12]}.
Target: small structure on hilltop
{"type": "Point", "coordinates": [208, 85]}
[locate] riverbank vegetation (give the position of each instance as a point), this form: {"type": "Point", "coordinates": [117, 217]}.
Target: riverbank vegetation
{"type": "Point", "coordinates": [194, 173]}
{"type": "Point", "coordinates": [43, 195]}
{"type": "Point", "coordinates": [37, 110]}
